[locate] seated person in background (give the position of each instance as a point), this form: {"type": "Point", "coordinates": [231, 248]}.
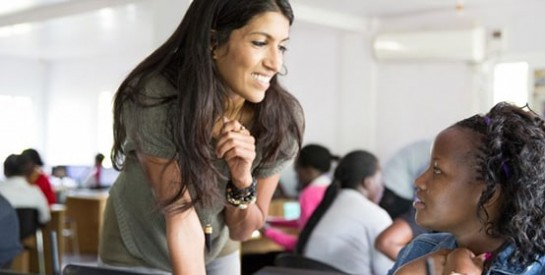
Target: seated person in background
{"type": "Point", "coordinates": [18, 191]}
{"type": "Point", "coordinates": [342, 230]}
{"type": "Point", "coordinates": [38, 176]}
{"type": "Point", "coordinates": [94, 179]}
{"type": "Point", "coordinates": [10, 246]}
{"type": "Point", "coordinates": [398, 234]}
{"type": "Point", "coordinates": [312, 167]}
{"type": "Point", "coordinates": [400, 172]}
{"type": "Point", "coordinates": [485, 190]}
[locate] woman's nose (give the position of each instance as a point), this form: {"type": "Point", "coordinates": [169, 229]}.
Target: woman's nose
{"type": "Point", "coordinates": [274, 60]}
{"type": "Point", "coordinates": [420, 181]}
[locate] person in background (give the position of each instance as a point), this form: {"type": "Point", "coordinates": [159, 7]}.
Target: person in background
{"type": "Point", "coordinates": [485, 192]}
{"type": "Point", "coordinates": [18, 191]}
{"type": "Point", "coordinates": [400, 172]}
{"type": "Point", "coordinates": [10, 246]}
{"type": "Point", "coordinates": [94, 179]}
{"type": "Point", "coordinates": [38, 176]}
{"type": "Point", "coordinates": [312, 167]}
{"type": "Point", "coordinates": [342, 230]}
{"type": "Point", "coordinates": [202, 131]}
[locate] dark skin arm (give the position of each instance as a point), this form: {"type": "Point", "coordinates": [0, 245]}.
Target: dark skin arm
{"type": "Point", "coordinates": [394, 238]}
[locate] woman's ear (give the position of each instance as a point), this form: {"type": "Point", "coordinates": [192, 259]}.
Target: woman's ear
{"type": "Point", "coordinates": [495, 198]}
{"type": "Point", "coordinates": [213, 43]}
{"type": "Point", "coordinates": [492, 206]}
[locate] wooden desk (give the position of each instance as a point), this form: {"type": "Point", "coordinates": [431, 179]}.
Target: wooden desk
{"type": "Point", "coordinates": [86, 208]}
{"type": "Point", "coordinates": [259, 244]}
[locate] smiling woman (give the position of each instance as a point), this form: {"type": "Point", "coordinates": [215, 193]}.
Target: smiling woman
{"type": "Point", "coordinates": [202, 131]}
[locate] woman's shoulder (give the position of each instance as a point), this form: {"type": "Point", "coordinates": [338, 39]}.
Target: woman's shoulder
{"type": "Point", "coordinates": [424, 244]}
{"type": "Point", "coordinates": [158, 85]}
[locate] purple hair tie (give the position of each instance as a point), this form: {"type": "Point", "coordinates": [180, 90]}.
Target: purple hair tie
{"type": "Point", "coordinates": [504, 167]}
{"type": "Point", "coordinates": [487, 120]}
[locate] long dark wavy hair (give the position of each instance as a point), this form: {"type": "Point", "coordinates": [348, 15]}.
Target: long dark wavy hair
{"type": "Point", "coordinates": [350, 172]}
{"type": "Point", "coordinates": [511, 157]}
{"type": "Point", "coordinates": [185, 60]}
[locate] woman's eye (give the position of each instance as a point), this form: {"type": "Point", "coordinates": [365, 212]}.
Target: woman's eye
{"type": "Point", "coordinates": [259, 43]}
{"type": "Point", "coordinates": [282, 49]}
{"type": "Point", "coordinates": [435, 169]}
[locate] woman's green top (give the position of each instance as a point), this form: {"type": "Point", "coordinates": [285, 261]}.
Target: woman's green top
{"type": "Point", "coordinates": [134, 230]}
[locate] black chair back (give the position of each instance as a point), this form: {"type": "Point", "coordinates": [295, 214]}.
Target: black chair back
{"type": "Point", "coordinates": [28, 221]}
{"type": "Point", "coordinates": [301, 262]}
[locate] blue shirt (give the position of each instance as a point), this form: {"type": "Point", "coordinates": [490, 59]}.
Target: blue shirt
{"type": "Point", "coordinates": [430, 242]}
{"type": "Point", "coordinates": [9, 226]}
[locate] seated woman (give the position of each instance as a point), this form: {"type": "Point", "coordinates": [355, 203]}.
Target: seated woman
{"type": "Point", "coordinates": [312, 168]}
{"type": "Point", "coordinates": [485, 190]}
{"type": "Point", "coordinates": [342, 230]}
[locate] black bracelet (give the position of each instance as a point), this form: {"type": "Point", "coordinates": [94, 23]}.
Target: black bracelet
{"type": "Point", "coordinates": [241, 198]}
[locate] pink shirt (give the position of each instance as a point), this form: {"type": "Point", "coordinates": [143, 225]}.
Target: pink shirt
{"type": "Point", "coordinates": [309, 199]}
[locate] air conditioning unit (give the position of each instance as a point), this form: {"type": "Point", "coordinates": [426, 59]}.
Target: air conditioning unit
{"type": "Point", "coordinates": [448, 45]}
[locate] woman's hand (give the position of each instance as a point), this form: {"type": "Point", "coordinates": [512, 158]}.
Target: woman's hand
{"type": "Point", "coordinates": [237, 147]}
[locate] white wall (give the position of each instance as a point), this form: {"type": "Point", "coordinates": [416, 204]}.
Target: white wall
{"type": "Point", "coordinates": [417, 99]}
{"type": "Point", "coordinates": [26, 78]}
{"type": "Point", "coordinates": [350, 100]}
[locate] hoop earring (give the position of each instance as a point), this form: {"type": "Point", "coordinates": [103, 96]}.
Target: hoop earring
{"type": "Point", "coordinates": [285, 71]}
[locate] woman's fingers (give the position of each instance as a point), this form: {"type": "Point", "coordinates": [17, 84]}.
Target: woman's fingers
{"type": "Point", "coordinates": [233, 144]}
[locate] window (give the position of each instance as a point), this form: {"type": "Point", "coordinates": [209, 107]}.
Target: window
{"type": "Point", "coordinates": [18, 124]}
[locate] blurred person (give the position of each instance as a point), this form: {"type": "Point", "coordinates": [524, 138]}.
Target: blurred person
{"type": "Point", "coordinates": [485, 192]}
{"type": "Point", "coordinates": [18, 191]}
{"type": "Point", "coordinates": [342, 230]}
{"type": "Point", "coordinates": [400, 172]}
{"type": "Point", "coordinates": [312, 167]}
{"type": "Point", "coordinates": [38, 175]}
{"type": "Point", "coordinates": [202, 132]}
{"type": "Point", "coordinates": [94, 179]}
{"type": "Point", "coordinates": [10, 246]}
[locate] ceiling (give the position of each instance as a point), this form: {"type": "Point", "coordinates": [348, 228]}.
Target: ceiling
{"type": "Point", "coordinates": [362, 8]}
{"type": "Point", "coordinates": [57, 22]}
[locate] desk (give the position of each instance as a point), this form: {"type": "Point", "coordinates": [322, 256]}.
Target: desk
{"type": "Point", "coordinates": [86, 208]}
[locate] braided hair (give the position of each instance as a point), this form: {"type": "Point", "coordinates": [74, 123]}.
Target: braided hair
{"type": "Point", "coordinates": [511, 157]}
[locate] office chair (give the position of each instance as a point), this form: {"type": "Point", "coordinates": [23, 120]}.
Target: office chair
{"type": "Point", "coordinates": [28, 225]}
{"type": "Point", "coordinates": [78, 269]}
{"type": "Point", "coordinates": [301, 262]}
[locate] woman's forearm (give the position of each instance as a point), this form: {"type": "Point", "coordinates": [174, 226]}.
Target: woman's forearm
{"type": "Point", "coordinates": [242, 222]}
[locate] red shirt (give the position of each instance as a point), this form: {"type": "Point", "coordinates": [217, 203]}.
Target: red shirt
{"type": "Point", "coordinates": [41, 180]}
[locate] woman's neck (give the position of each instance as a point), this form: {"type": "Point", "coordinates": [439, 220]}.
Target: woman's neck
{"type": "Point", "coordinates": [480, 242]}
{"type": "Point", "coordinates": [234, 108]}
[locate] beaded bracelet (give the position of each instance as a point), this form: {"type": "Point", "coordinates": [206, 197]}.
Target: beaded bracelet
{"type": "Point", "coordinates": [241, 198]}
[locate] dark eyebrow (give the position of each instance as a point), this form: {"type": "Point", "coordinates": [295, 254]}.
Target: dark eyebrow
{"type": "Point", "coordinates": [268, 35]}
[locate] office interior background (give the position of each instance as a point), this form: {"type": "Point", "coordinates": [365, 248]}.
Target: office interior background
{"type": "Point", "coordinates": [370, 74]}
